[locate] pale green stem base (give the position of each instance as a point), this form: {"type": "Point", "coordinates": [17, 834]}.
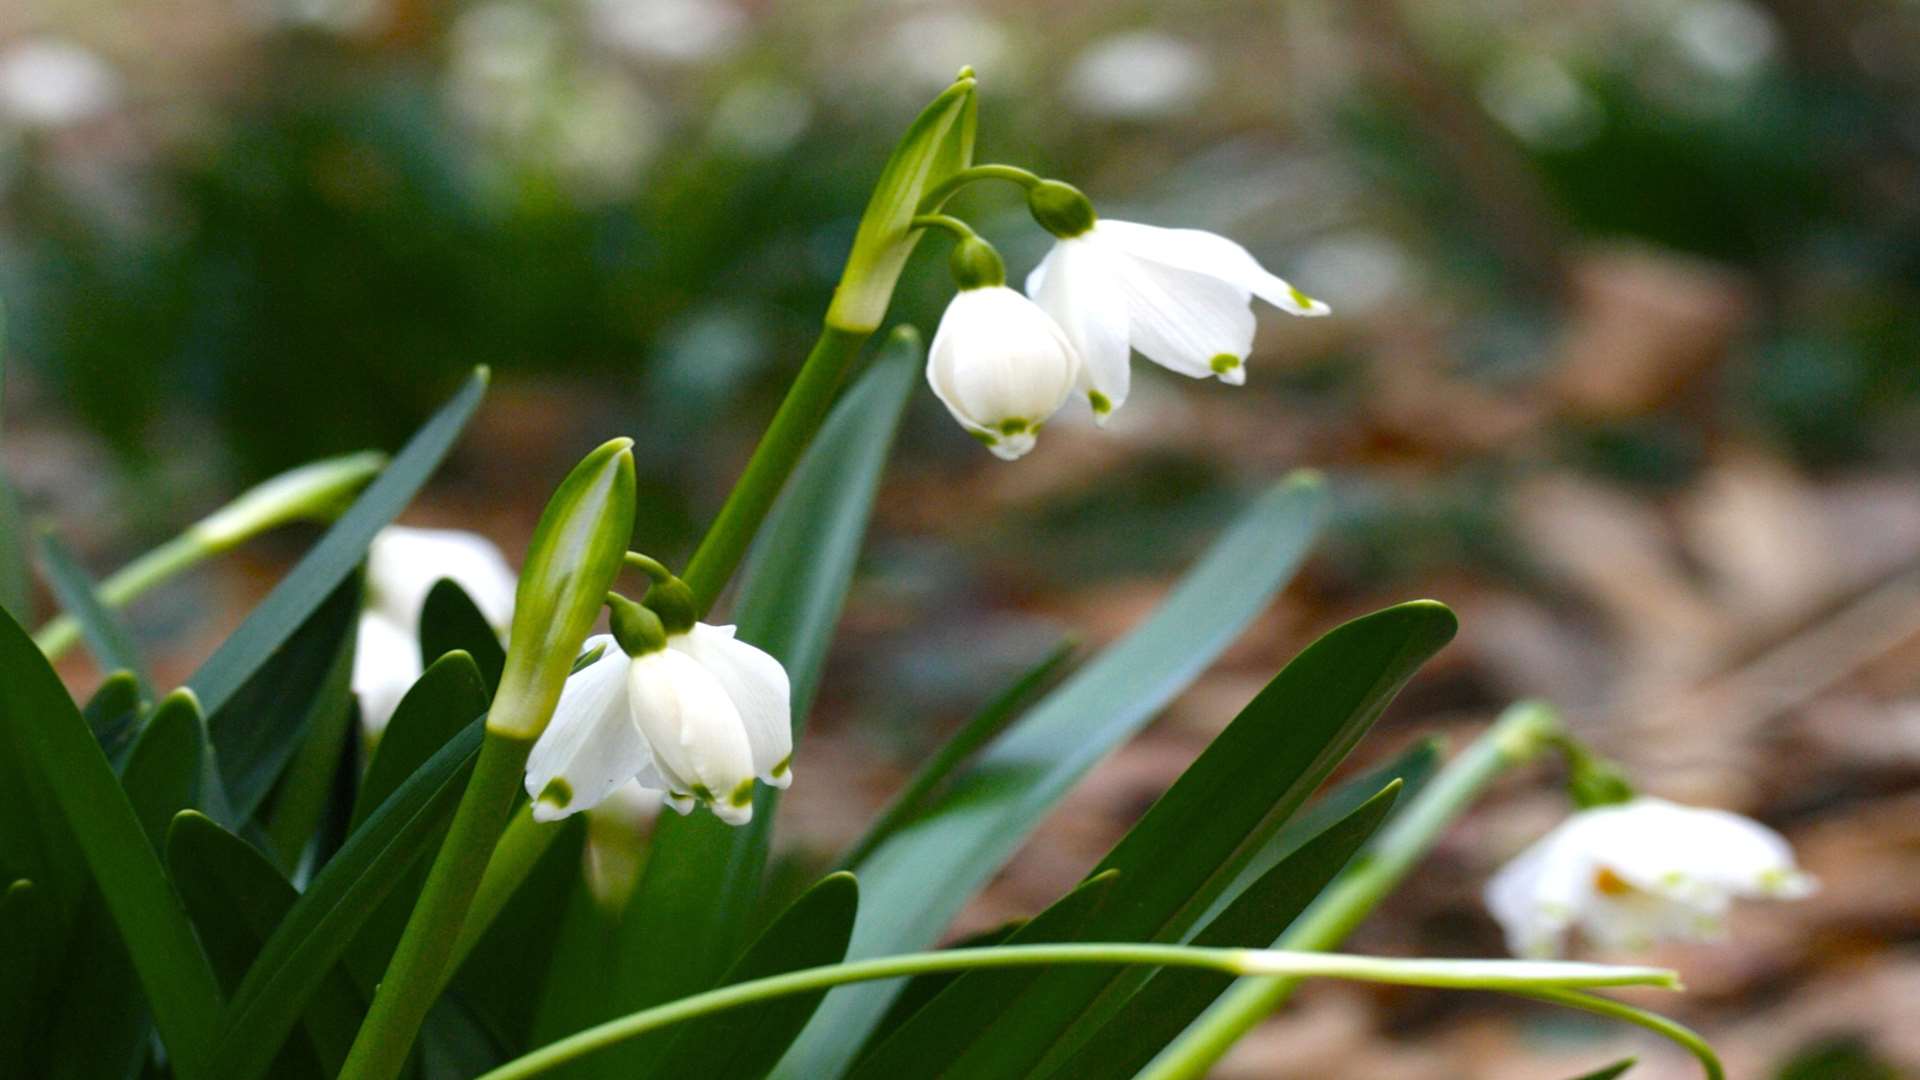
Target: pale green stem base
{"type": "Point", "coordinates": [1452, 974]}
{"type": "Point", "coordinates": [421, 961]}
{"type": "Point", "coordinates": [176, 555]}
{"type": "Point", "coordinates": [1517, 737]}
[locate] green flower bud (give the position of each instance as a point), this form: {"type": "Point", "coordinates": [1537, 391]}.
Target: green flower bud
{"type": "Point", "coordinates": [976, 265]}
{"type": "Point", "coordinates": [637, 629]}
{"type": "Point", "coordinates": [1060, 208]}
{"type": "Point", "coordinates": [576, 551]}
{"type": "Point", "coordinates": [315, 490]}
{"type": "Point", "coordinates": [937, 145]}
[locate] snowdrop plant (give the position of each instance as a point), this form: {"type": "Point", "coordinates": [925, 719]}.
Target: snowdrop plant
{"type": "Point", "coordinates": [254, 899]}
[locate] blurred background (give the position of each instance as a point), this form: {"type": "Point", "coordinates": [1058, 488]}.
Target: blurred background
{"type": "Point", "coordinates": [1625, 367]}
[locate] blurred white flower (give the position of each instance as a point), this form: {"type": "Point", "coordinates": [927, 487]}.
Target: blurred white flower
{"type": "Point", "coordinates": [1180, 296]}
{"type": "Point", "coordinates": [761, 118]}
{"type": "Point", "coordinates": [676, 30]}
{"type": "Point", "coordinates": [1729, 38]}
{"type": "Point", "coordinates": [403, 566]}
{"type": "Point", "coordinates": [1001, 366]}
{"type": "Point", "coordinates": [1534, 97]}
{"type": "Point", "coordinates": [1139, 74]}
{"type": "Point", "coordinates": [48, 83]}
{"type": "Point", "coordinates": [1635, 873]}
{"type": "Point", "coordinates": [699, 719]}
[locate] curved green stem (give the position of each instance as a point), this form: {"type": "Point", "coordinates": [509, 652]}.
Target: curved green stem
{"type": "Point", "coordinates": [959, 229]}
{"type": "Point", "coordinates": [1453, 974]}
{"type": "Point", "coordinates": [1678, 1033]}
{"type": "Point", "coordinates": [315, 490]}
{"type": "Point", "coordinates": [793, 427]}
{"type": "Point", "coordinates": [945, 190]}
{"type": "Point", "coordinates": [1517, 737]}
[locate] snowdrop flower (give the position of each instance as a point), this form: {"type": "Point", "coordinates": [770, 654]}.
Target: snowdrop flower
{"type": "Point", "coordinates": [1181, 297]}
{"type": "Point", "coordinates": [403, 565]}
{"type": "Point", "coordinates": [999, 364]}
{"type": "Point", "coordinates": [1633, 873]}
{"type": "Point", "coordinates": [694, 712]}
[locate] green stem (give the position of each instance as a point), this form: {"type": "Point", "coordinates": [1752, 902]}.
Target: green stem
{"type": "Point", "coordinates": [514, 857]}
{"type": "Point", "coordinates": [1452, 974]}
{"type": "Point", "coordinates": [946, 188]}
{"type": "Point", "coordinates": [176, 555]}
{"type": "Point", "coordinates": [1671, 1030]}
{"type": "Point", "coordinates": [960, 230]}
{"type": "Point", "coordinates": [433, 932]}
{"type": "Point", "coordinates": [787, 437]}
{"type": "Point", "coordinates": [1517, 737]}
{"type": "Point", "coordinates": [315, 490]}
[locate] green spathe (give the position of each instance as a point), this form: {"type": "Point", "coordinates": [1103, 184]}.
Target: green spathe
{"type": "Point", "coordinates": [937, 145]}
{"type": "Point", "coordinates": [576, 551]}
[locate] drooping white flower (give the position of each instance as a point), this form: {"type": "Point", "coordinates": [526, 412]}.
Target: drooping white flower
{"type": "Point", "coordinates": [1634, 873]}
{"type": "Point", "coordinates": [1181, 297]}
{"type": "Point", "coordinates": [1001, 366]}
{"type": "Point", "coordinates": [403, 565]}
{"type": "Point", "coordinates": [699, 719]}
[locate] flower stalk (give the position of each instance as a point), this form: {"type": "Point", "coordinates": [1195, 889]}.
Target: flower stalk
{"type": "Point", "coordinates": [317, 490]}
{"type": "Point", "coordinates": [1453, 974]}
{"type": "Point", "coordinates": [577, 550]}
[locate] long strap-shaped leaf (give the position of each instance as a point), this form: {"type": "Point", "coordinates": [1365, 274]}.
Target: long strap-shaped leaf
{"type": "Point", "coordinates": [106, 637]}
{"type": "Point", "coordinates": [296, 960]}
{"type": "Point", "coordinates": [689, 915]}
{"type": "Point", "coordinates": [1169, 1001]}
{"type": "Point", "coordinates": [1189, 846]}
{"type": "Point", "coordinates": [918, 880]}
{"type": "Point", "coordinates": [337, 553]}
{"type": "Point", "coordinates": [42, 726]}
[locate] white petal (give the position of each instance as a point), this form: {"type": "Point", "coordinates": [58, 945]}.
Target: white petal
{"type": "Point", "coordinates": [386, 663]}
{"type": "Point", "coordinates": [1697, 855]}
{"type": "Point", "coordinates": [758, 687]}
{"type": "Point", "coordinates": [1000, 365]}
{"type": "Point", "coordinates": [404, 564]}
{"type": "Point", "coordinates": [1201, 252]}
{"type": "Point", "coordinates": [591, 747]}
{"type": "Point", "coordinates": [698, 740]}
{"type": "Point", "coordinates": [1074, 286]}
{"type": "Point", "coordinates": [1542, 892]}
{"type": "Point", "coordinates": [1190, 323]}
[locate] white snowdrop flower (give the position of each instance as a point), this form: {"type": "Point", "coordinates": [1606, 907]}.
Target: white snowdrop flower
{"type": "Point", "coordinates": [403, 566]}
{"type": "Point", "coordinates": [1138, 74]}
{"type": "Point", "coordinates": [48, 83]}
{"type": "Point", "coordinates": [1181, 297]}
{"type": "Point", "coordinates": [999, 364]}
{"type": "Point", "coordinates": [1634, 873]}
{"type": "Point", "coordinates": [698, 718]}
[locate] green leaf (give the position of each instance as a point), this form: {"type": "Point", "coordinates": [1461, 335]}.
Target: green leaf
{"type": "Point", "coordinates": [450, 620]}
{"type": "Point", "coordinates": [237, 899]}
{"type": "Point", "coordinates": [921, 989]}
{"type": "Point", "coordinates": [295, 962]}
{"type": "Point", "coordinates": [15, 579]}
{"type": "Point", "coordinates": [1617, 1069]}
{"type": "Point", "coordinates": [28, 932]}
{"type": "Point", "coordinates": [1188, 847]}
{"type": "Point", "coordinates": [745, 1043]}
{"type": "Point", "coordinates": [1412, 768]}
{"type": "Point", "coordinates": [113, 715]}
{"type": "Point", "coordinates": [1171, 999]}
{"type": "Point", "coordinates": [979, 730]}
{"type": "Point", "coordinates": [300, 799]}
{"type": "Point", "coordinates": [689, 915]}
{"type": "Point", "coordinates": [260, 728]}
{"type": "Point", "coordinates": [62, 764]}
{"type": "Point", "coordinates": [162, 776]}
{"type": "Point", "coordinates": [106, 638]}
{"type": "Point", "coordinates": [437, 707]}
{"type": "Point", "coordinates": [325, 568]}
{"type": "Point", "coordinates": [932, 1039]}
{"type": "Point", "coordinates": [918, 880]}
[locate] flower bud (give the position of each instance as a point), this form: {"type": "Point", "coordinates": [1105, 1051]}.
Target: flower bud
{"type": "Point", "coordinates": [1060, 208]}
{"type": "Point", "coordinates": [576, 551]}
{"type": "Point", "coordinates": [316, 490]}
{"type": "Point", "coordinates": [1001, 366]}
{"type": "Point", "coordinates": [937, 145]}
